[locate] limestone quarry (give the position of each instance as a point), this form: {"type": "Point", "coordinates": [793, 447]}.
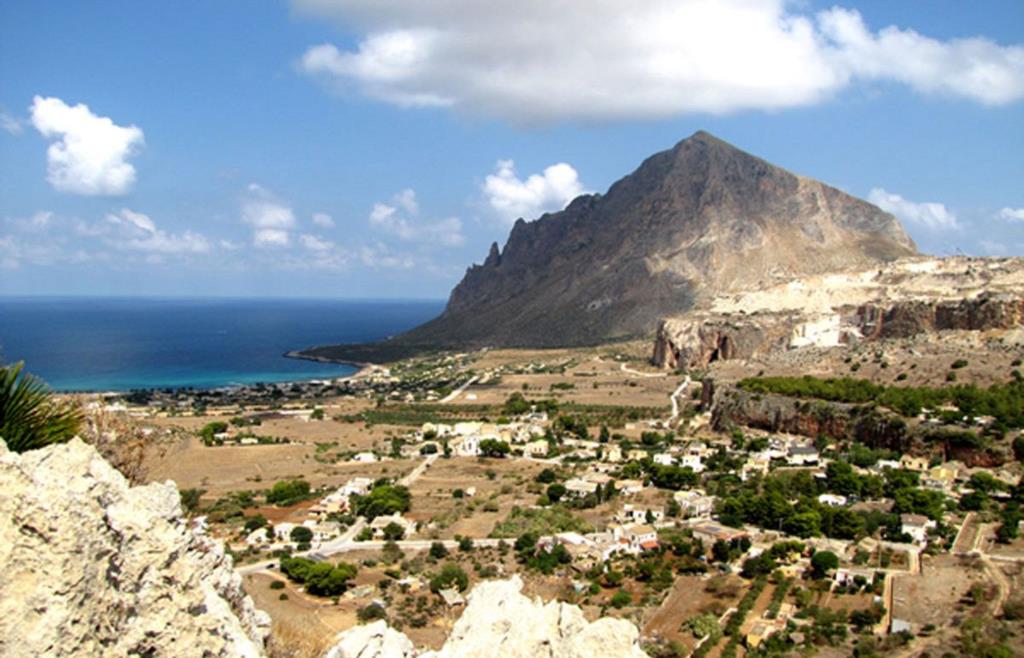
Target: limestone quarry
{"type": "Point", "coordinates": [897, 300]}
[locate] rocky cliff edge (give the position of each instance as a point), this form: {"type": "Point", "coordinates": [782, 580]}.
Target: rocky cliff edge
{"type": "Point", "coordinates": [94, 567]}
{"type": "Point", "coordinates": [500, 622]}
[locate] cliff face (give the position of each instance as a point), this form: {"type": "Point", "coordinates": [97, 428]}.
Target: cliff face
{"type": "Point", "coordinates": [897, 300]}
{"type": "Point", "coordinates": [701, 218]}
{"type": "Point", "coordinates": [732, 406]}
{"type": "Point", "coordinates": [500, 622]}
{"type": "Point", "coordinates": [93, 567]}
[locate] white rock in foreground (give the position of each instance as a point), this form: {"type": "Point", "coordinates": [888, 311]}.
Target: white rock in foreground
{"type": "Point", "coordinates": [94, 567]}
{"type": "Point", "coordinates": [500, 622]}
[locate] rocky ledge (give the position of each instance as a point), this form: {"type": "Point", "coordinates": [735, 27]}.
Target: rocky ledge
{"type": "Point", "coordinates": [94, 567]}
{"type": "Point", "coordinates": [500, 622]}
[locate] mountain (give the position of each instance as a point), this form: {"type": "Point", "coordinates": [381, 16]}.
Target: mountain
{"type": "Point", "coordinates": [701, 218]}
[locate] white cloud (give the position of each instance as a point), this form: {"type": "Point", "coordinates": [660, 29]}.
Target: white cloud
{"type": "Point", "coordinates": [89, 153]}
{"type": "Point", "coordinates": [930, 215]}
{"type": "Point", "coordinates": [531, 60]}
{"type": "Point", "coordinates": [270, 218]}
{"type": "Point", "coordinates": [271, 237]}
{"type": "Point", "coordinates": [379, 256]}
{"type": "Point", "coordinates": [137, 232]}
{"type": "Point", "coordinates": [976, 69]}
{"type": "Point", "coordinates": [400, 218]}
{"type": "Point", "coordinates": [1012, 214]}
{"type": "Point", "coordinates": [10, 124]}
{"type": "Point", "coordinates": [323, 220]}
{"type": "Point", "coordinates": [315, 243]}
{"type": "Point", "coordinates": [513, 198]}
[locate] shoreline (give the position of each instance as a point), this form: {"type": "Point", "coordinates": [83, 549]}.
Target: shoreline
{"type": "Point", "coordinates": [363, 370]}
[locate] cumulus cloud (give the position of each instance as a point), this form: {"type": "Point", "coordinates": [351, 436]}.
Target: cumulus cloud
{"type": "Point", "coordinates": [512, 198]}
{"type": "Point", "coordinates": [89, 154]}
{"type": "Point", "coordinates": [1012, 214]}
{"type": "Point", "coordinates": [531, 60]}
{"type": "Point", "coordinates": [270, 219]}
{"type": "Point", "coordinates": [323, 220]}
{"type": "Point", "coordinates": [400, 218]}
{"type": "Point", "coordinates": [930, 215]}
{"type": "Point", "coordinates": [137, 232]}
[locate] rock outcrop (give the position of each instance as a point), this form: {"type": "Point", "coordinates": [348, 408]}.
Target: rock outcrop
{"type": "Point", "coordinates": [732, 406]}
{"type": "Point", "coordinates": [500, 622]}
{"type": "Point", "coordinates": [94, 567]}
{"type": "Point", "coordinates": [900, 300]}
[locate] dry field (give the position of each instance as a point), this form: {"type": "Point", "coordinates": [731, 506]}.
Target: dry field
{"type": "Point", "coordinates": [222, 469]}
{"type": "Point", "coordinates": [594, 382]}
{"type": "Point", "coordinates": [688, 597]}
{"type": "Point", "coordinates": [432, 493]}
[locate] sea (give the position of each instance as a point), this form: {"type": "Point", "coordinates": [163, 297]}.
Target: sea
{"type": "Point", "coordinates": [120, 344]}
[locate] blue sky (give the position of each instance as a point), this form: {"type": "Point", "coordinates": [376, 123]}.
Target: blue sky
{"type": "Point", "coordinates": [360, 148]}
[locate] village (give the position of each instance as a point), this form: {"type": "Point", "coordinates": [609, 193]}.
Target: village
{"type": "Point", "coordinates": [713, 543]}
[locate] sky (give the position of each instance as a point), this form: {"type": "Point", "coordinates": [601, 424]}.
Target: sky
{"type": "Point", "coordinates": [376, 148]}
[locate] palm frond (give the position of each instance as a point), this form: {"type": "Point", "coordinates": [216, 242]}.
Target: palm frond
{"type": "Point", "coordinates": [29, 415]}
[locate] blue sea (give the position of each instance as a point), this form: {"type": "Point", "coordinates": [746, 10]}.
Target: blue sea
{"type": "Point", "coordinates": [118, 344]}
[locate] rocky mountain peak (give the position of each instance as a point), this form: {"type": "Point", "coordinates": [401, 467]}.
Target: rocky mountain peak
{"type": "Point", "coordinates": [691, 222]}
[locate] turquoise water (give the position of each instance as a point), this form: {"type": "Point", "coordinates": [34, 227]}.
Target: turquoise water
{"type": "Point", "coordinates": [117, 344]}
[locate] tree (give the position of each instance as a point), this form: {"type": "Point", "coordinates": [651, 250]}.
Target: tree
{"type": "Point", "coordinates": [556, 492]}
{"type": "Point", "coordinates": [438, 551]}
{"type": "Point", "coordinates": [547, 476]}
{"type": "Point", "coordinates": [391, 552]}
{"type": "Point", "coordinates": [288, 492]}
{"type": "Point", "coordinates": [465, 544]}
{"type": "Point", "coordinates": [721, 551]}
{"type": "Point", "coordinates": [526, 543]}
{"type": "Point", "coordinates": [449, 576]}
{"type": "Point", "coordinates": [371, 612]}
{"type": "Point", "coordinates": [382, 500]}
{"type": "Point", "coordinates": [822, 562]}
{"type": "Point", "coordinates": [494, 448]}
{"type": "Point", "coordinates": [516, 405]}
{"type": "Point", "coordinates": [30, 417]}
{"type": "Point", "coordinates": [254, 523]}
{"type": "Point", "coordinates": [300, 534]}
{"type": "Point", "coordinates": [393, 532]}
{"type": "Point", "coordinates": [621, 599]}
{"type": "Point", "coordinates": [1018, 448]}
{"type": "Point", "coordinates": [190, 499]}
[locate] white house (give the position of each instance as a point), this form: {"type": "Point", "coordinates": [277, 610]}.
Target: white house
{"type": "Point", "coordinates": [629, 487]}
{"type": "Point", "coordinates": [357, 487]}
{"type": "Point", "coordinates": [537, 449]}
{"type": "Point", "coordinates": [832, 500]}
{"type": "Point", "coordinates": [693, 462]}
{"type": "Point", "coordinates": [802, 456]}
{"type": "Point", "coordinates": [641, 537]}
{"type": "Point", "coordinates": [613, 454]}
{"type": "Point", "coordinates": [364, 457]}
{"type": "Point", "coordinates": [634, 514]}
{"type": "Point", "coordinates": [469, 446]}
{"type": "Point", "coordinates": [378, 524]}
{"type": "Point", "coordinates": [664, 459]}
{"type": "Point", "coordinates": [694, 503]}
{"type": "Point", "coordinates": [917, 526]}
{"type": "Point", "coordinates": [578, 487]}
